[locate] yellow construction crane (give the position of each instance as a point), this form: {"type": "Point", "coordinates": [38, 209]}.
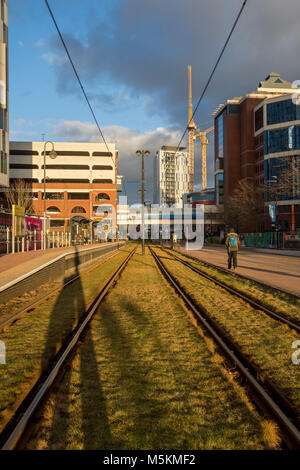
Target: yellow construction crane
{"type": "Point", "coordinates": [204, 142]}
{"type": "Point", "coordinates": [191, 132]}
{"type": "Point", "coordinates": [192, 128]}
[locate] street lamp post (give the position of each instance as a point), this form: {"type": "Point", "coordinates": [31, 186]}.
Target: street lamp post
{"type": "Point", "coordinates": [274, 181]}
{"type": "Point", "coordinates": [53, 155]}
{"type": "Point", "coordinates": [143, 153]}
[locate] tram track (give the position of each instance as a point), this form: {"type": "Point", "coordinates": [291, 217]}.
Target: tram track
{"type": "Point", "coordinates": [295, 325]}
{"type": "Point", "coordinates": [267, 395]}
{"type": "Point", "coordinates": [19, 422]}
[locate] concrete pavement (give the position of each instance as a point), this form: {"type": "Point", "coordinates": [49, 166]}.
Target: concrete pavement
{"type": "Point", "coordinates": [276, 270]}
{"type": "Point", "coordinates": [13, 266]}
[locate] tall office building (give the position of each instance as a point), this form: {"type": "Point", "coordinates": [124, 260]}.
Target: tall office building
{"type": "Point", "coordinates": [171, 176]}
{"type": "Point", "coordinates": [4, 139]}
{"type": "Point", "coordinates": [242, 127]}
{"type": "Point", "coordinates": [277, 126]}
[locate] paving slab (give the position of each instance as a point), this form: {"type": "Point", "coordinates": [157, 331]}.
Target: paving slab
{"type": "Point", "coordinates": [15, 265]}
{"type": "Point", "coordinates": [277, 270]}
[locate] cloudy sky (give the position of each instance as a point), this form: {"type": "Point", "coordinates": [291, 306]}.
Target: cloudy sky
{"type": "Point", "coordinates": [132, 56]}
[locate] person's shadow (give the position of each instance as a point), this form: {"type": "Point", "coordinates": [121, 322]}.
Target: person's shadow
{"type": "Point", "coordinates": [68, 309]}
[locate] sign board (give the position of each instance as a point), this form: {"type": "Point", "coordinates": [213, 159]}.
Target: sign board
{"type": "Point", "coordinates": [18, 221]}
{"type": "Point", "coordinates": [18, 210]}
{"type": "Point", "coordinates": [272, 212]}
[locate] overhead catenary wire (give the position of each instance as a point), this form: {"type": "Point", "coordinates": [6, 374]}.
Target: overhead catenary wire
{"type": "Point", "coordinates": [213, 71]}
{"type": "Point", "coordinates": [79, 80]}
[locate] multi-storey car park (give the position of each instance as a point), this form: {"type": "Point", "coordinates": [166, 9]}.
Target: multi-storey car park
{"type": "Point", "coordinates": [81, 182]}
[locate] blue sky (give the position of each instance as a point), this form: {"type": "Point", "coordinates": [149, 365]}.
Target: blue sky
{"type": "Point", "coordinates": [132, 56]}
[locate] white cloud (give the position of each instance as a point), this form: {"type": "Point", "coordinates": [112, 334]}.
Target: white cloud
{"type": "Point", "coordinates": [53, 59]}
{"type": "Point", "coordinates": [20, 43]}
{"type": "Point", "coordinates": [127, 140]}
{"type": "Point", "coordinates": [21, 135]}
{"type": "Point", "coordinates": [40, 43]}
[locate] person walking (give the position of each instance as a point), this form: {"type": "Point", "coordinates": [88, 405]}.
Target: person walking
{"type": "Point", "coordinates": [232, 244]}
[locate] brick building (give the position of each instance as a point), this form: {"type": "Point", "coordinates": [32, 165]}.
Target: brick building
{"type": "Point", "coordinates": [239, 148]}
{"type": "Point", "coordinates": [81, 182]}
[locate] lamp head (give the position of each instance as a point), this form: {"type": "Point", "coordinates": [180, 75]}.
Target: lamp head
{"type": "Point", "coordinates": [138, 153]}
{"type": "Point", "coordinates": [147, 153]}
{"type": "Point", "coordinates": [53, 154]}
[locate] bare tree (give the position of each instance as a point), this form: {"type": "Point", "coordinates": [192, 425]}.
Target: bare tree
{"type": "Point", "coordinates": [19, 193]}
{"type": "Point", "coordinates": [243, 210]}
{"type": "Point", "coordinates": [287, 185]}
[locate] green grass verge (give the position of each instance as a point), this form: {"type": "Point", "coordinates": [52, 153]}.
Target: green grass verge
{"type": "Point", "coordinates": [279, 302]}
{"type": "Point", "coordinates": [144, 378]}
{"type": "Point", "coordinates": [32, 341]}
{"type": "Point", "coordinates": [265, 341]}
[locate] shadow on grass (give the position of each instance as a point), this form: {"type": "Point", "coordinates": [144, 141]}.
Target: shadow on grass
{"type": "Point", "coordinates": [63, 317]}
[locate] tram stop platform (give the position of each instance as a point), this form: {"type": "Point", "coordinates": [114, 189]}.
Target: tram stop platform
{"type": "Point", "coordinates": [17, 265]}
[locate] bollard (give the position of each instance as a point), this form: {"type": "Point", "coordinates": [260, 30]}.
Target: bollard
{"type": "Point", "coordinates": [7, 240]}
{"type": "Point", "coordinates": [34, 240]}
{"type": "Point", "coordinates": [23, 244]}
{"type": "Point", "coordinates": [53, 241]}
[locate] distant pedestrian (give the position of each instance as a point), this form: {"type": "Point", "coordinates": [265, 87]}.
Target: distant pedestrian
{"type": "Point", "coordinates": [232, 244]}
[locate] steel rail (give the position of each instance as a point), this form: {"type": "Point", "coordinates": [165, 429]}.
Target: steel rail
{"type": "Point", "coordinates": [255, 304]}
{"type": "Point", "coordinates": [15, 435]}
{"type": "Point", "coordinates": [237, 275]}
{"type": "Point", "coordinates": [16, 316]}
{"type": "Point", "coordinates": [290, 432]}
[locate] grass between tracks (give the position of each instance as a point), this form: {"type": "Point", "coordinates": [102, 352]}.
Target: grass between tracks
{"type": "Point", "coordinates": [33, 340]}
{"type": "Point", "coordinates": [279, 302]}
{"type": "Point", "coordinates": [265, 341]}
{"type": "Point", "coordinates": [143, 378]}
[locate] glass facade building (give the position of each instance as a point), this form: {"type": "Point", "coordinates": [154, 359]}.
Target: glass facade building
{"type": "Point", "coordinates": [282, 111]}
{"type": "Point", "coordinates": [220, 136]}
{"type": "Point", "coordinates": [4, 139]}
{"type": "Point", "coordinates": [282, 140]}
{"type": "Point", "coordinates": [282, 137]}
{"type": "Point", "coordinates": [273, 169]}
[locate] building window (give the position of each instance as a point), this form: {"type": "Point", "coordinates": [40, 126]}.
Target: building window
{"type": "Point", "coordinates": [259, 118]}
{"type": "Point", "coordinates": [220, 136]}
{"type": "Point", "coordinates": [233, 109]}
{"type": "Point", "coordinates": [281, 140]}
{"type": "Point", "coordinates": [53, 196]}
{"type": "Point", "coordinates": [65, 180]}
{"type": "Point", "coordinates": [67, 167]}
{"type": "Point", "coordinates": [2, 10]}
{"type": "Point", "coordinates": [70, 153]}
{"type": "Point", "coordinates": [103, 181]}
{"type": "Point", "coordinates": [78, 196]}
{"type": "Point", "coordinates": [53, 210]}
{"type": "Point", "coordinates": [78, 210]}
{"type": "Point", "coordinates": [102, 154]}
{"type": "Point", "coordinates": [102, 196]}
{"type": "Point", "coordinates": [4, 33]}
{"type": "Point", "coordinates": [57, 222]}
{"type": "Point", "coordinates": [102, 167]}
{"type": "Point", "coordinates": [282, 111]}
{"type": "Point", "coordinates": [3, 119]}
{"type": "Point", "coordinates": [23, 166]}
{"type": "Point", "coordinates": [219, 188]}
{"type": "Point", "coordinates": [23, 152]}
{"type": "Point", "coordinates": [273, 169]}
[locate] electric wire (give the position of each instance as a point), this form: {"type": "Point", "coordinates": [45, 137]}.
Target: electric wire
{"type": "Point", "coordinates": [80, 82]}
{"type": "Point", "coordinates": [213, 71]}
